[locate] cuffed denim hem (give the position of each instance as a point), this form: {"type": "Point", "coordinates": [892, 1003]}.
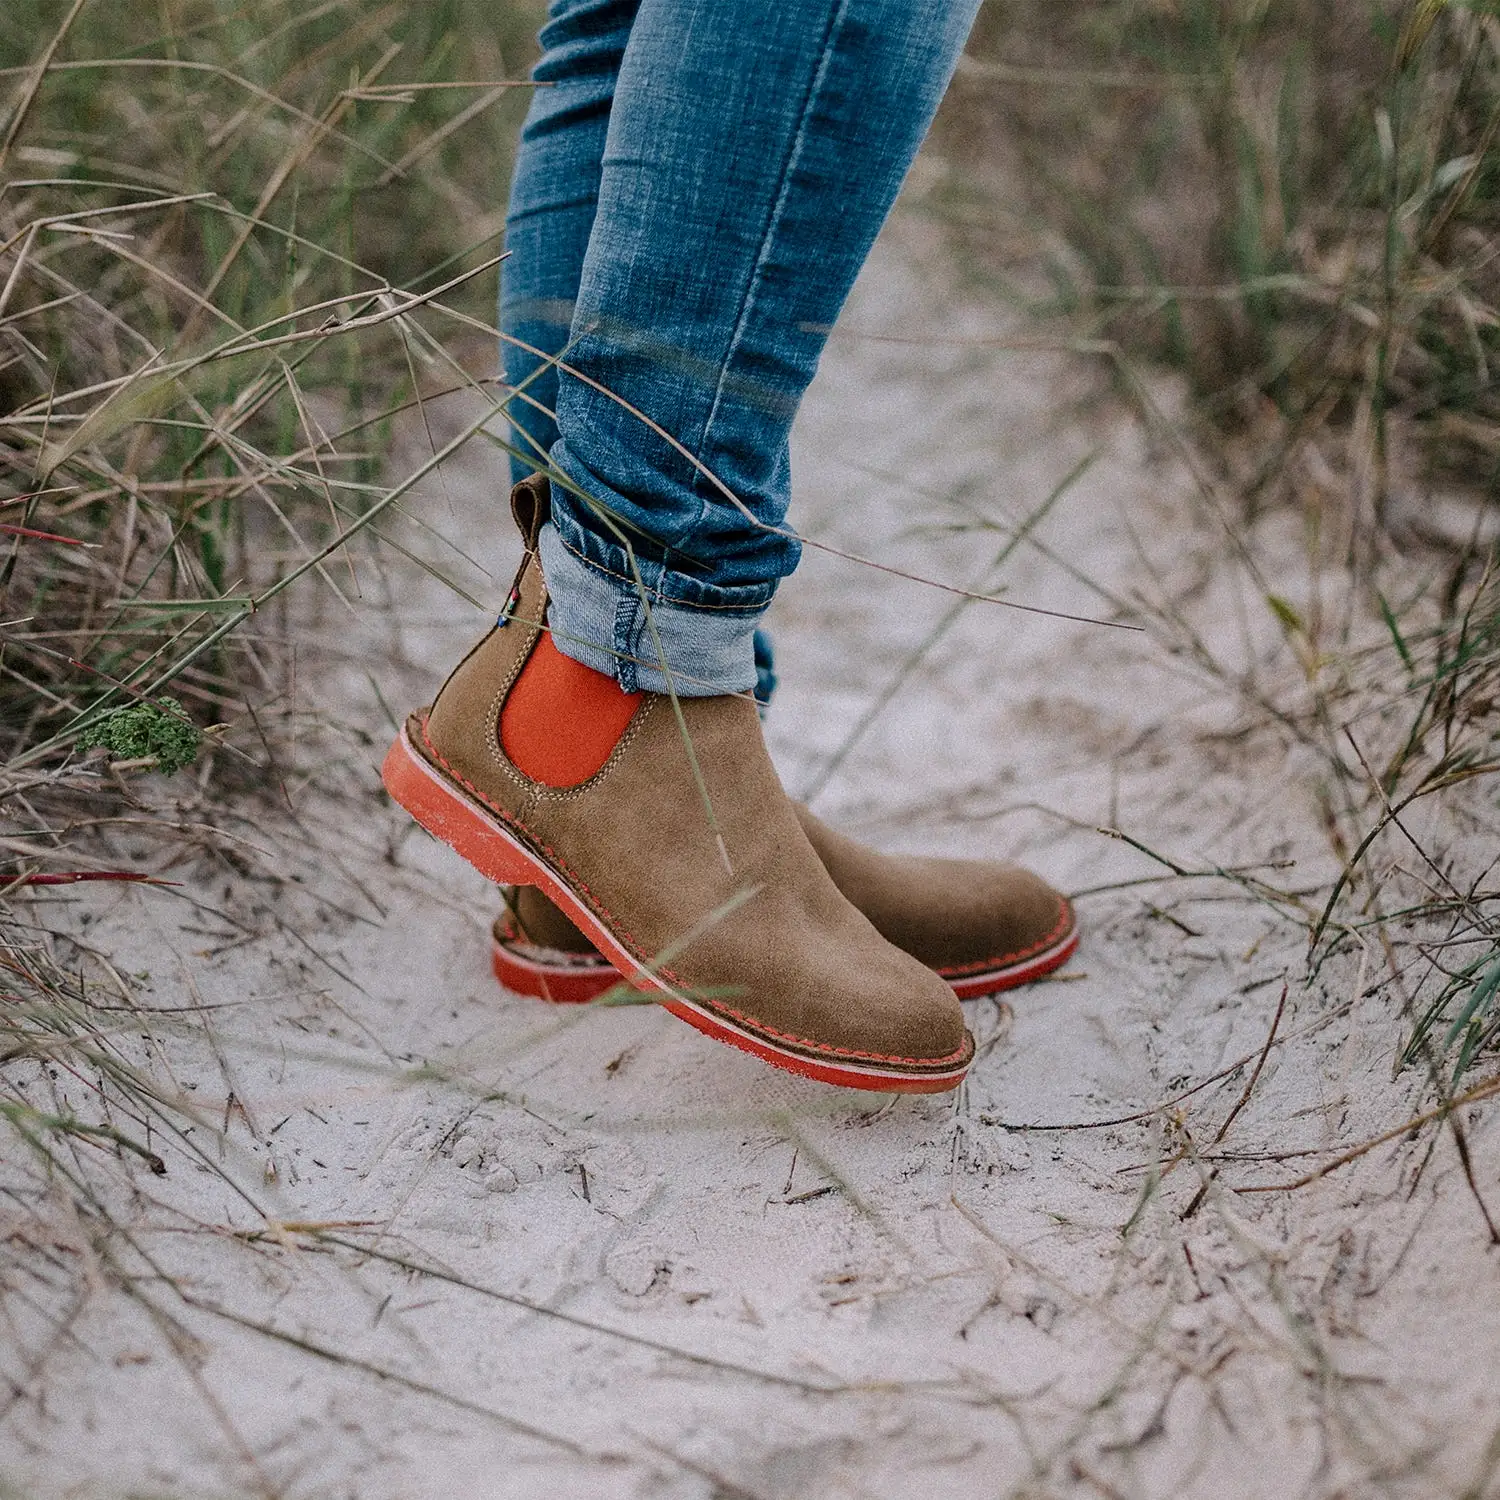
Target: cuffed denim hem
{"type": "Point", "coordinates": [597, 616]}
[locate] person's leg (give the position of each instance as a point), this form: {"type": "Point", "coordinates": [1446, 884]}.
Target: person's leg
{"type": "Point", "coordinates": [553, 198]}
{"type": "Point", "coordinates": [751, 157]}
{"type": "Point", "coordinates": [749, 161]}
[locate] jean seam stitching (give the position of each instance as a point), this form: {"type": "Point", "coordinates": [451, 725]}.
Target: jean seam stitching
{"type": "Point", "coordinates": [521, 215]}
{"type": "Point", "coordinates": [627, 674]}
{"type": "Point", "coordinates": [794, 154]}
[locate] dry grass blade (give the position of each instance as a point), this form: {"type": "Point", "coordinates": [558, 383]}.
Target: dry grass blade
{"type": "Point", "coordinates": [1329, 288]}
{"type": "Point", "coordinates": [247, 254]}
{"type": "Point", "coordinates": [1255, 1073]}
{"type": "Point", "coordinates": [33, 83]}
{"type": "Point", "coordinates": [184, 321]}
{"type": "Point", "coordinates": [1474, 1095]}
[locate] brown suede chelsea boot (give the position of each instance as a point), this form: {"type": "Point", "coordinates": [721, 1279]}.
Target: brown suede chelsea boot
{"type": "Point", "coordinates": [740, 932]}
{"type": "Point", "coordinates": [980, 925]}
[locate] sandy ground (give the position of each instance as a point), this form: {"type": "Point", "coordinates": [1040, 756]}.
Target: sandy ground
{"type": "Point", "coordinates": [595, 1254]}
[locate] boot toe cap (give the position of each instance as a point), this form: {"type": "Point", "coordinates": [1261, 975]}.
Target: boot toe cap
{"type": "Point", "coordinates": [1005, 916]}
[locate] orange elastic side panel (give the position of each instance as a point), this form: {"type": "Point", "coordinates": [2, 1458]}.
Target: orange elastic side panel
{"type": "Point", "coordinates": [563, 719]}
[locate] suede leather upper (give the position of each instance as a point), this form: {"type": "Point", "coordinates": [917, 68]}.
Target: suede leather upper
{"type": "Point", "coordinates": [956, 916]}
{"type": "Point", "coordinates": [765, 939]}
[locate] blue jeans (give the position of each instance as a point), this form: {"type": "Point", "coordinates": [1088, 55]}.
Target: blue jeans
{"type": "Point", "coordinates": [697, 188]}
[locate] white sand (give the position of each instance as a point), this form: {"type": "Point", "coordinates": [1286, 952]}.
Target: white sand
{"type": "Point", "coordinates": [767, 1288]}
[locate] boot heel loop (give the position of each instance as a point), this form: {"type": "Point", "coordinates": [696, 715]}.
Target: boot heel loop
{"type": "Point", "coordinates": [531, 505]}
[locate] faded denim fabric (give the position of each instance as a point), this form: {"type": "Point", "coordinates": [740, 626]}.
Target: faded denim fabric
{"type": "Point", "coordinates": [696, 191]}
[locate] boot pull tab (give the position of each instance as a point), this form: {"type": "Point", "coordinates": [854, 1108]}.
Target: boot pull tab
{"type": "Point", "coordinates": [531, 505]}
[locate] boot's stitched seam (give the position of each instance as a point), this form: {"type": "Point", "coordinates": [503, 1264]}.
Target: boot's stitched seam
{"type": "Point", "coordinates": [542, 957]}
{"type": "Point", "coordinates": [539, 789]}
{"type": "Point", "coordinates": [547, 793]}
{"type": "Point", "coordinates": [507, 936]}
{"type": "Point", "coordinates": [505, 932]}
{"type": "Point", "coordinates": [757, 1026]}
{"type": "Point", "coordinates": [508, 817]}
{"type": "Point", "coordinates": [510, 938]}
{"type": "Point", "coordinates": [1064, 922]}
{"type": "Point", "coordinates": [823, 1047]}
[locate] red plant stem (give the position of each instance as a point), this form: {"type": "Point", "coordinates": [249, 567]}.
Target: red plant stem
{"type": "Point", "coordinates": [45, 536]}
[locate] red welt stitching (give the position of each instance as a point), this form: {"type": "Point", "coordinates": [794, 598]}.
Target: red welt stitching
{"type": "Point", "coordinates": [1064, 921]}
{"type": "Point", "coordinates": [508, 932]}
{"type": "Point", "coordinates": [750, 1021]}
{"type": "Point", "coordinates": [551, 853]}
{"type": "Point", "coordinates": [823, 1047]}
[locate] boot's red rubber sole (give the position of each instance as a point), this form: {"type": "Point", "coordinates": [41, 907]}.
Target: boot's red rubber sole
{"type": "Point", "coordinates": [500, 853]}
{"type": "Point", "coordinates": [576, 978]}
